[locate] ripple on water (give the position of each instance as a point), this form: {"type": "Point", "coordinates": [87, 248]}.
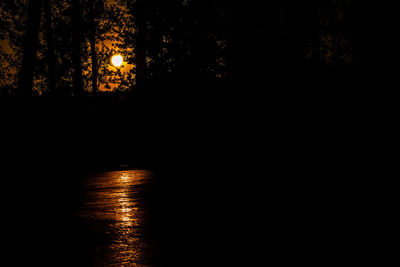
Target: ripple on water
{"type": "Point", "coordinates": [113, 208]}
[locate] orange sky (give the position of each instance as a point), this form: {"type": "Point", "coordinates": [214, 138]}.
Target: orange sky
{"type": "Point", "coordinates": [4, 45]}
{"type": "Point", "coordinates": [124, 68]}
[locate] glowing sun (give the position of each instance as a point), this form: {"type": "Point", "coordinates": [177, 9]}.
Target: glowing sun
{"type": "Point", "coordinates": [117, 60]}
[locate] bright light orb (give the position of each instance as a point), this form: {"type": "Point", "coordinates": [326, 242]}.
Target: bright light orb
{"type": "Point", "coordinates": [117, 60]}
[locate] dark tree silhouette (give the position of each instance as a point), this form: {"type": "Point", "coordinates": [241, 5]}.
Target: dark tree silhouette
{"type": "Point", "coordinates": [51, 71]}
{"type": "Point", "coordinates": [139, 10]}
{"type": "Point", "coordinates": [76, 47]}
{"type": "Point", "coordinates": [95, 12]}
{"type": "Point", "coordinates": [29, 49]}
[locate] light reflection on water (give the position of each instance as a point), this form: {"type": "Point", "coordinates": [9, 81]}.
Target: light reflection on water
{"type": "Point", "coordinates": [113, 210]}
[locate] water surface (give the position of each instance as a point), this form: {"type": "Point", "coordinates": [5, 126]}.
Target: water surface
{"type": "Point", "coordinates": [114, 213]}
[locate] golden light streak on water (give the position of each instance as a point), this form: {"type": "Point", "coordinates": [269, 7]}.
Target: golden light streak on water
{"type": "Point", "coordinates": [113, 210]}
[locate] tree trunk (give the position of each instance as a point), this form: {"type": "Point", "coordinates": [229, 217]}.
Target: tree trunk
{"type": "Point", "coordinates": [140, 49]}
{"type": "Point", "coordinates": [92, 40]}
{"type": "Point", "coordinates": [76, 48]}
{"type": "Point", "coordinates": [50, 48]}
{"type": "Point", "coordinates": [29, 49]}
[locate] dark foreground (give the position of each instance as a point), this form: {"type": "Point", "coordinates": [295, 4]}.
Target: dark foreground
{"type": "Point", "coordinates": [177, 218]}
{"type": "Point", "coordinates": [225, 189]}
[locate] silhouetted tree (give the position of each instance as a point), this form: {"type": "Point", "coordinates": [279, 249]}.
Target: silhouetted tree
{"type": "Point", "coordinates": [181, 43]}
{"type": "Point", "coordinates": [94, 12]}
{"type": "Point", "coordinates": [93, 27]}
{"type": "Point", "coordinates": [138, 10]}
{"type": "Point", "coordinates": [29, 49]}
{"type": "Point", "coordinates": [51, 71]}
{"type": "Point", "coordinates": [76, 47]}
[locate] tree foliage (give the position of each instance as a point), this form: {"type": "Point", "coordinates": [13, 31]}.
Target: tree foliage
{"type": "Point", "coordinates": [178, 42]}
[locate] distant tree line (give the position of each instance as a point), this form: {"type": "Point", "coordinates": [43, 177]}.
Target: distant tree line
{"type": "Point", "coordinates": [63, 47]}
